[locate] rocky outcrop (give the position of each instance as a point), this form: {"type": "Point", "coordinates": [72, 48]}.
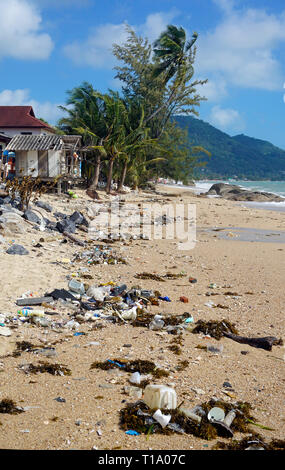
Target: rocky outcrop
{"type": "Point", "coordinates": [236, 193]}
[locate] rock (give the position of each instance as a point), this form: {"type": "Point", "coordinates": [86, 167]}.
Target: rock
{"type": "Point", "coordinates": [17, 250]}
{"type": "Point", "coordinates": [236, 193]}
{"type": "Point", "coordinates": [78, 219]}
{"type": "Point", "coordinates": [32, 217]}
{"type": "Point", "coordinates": [12, 223]}
{"type": "Point", "coordinates": [44, 205]}
{"type": "Point", "coordinates": [66, 225]}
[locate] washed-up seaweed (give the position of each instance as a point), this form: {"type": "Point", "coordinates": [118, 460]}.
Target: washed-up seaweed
{"type": "Point", "coordinates": [216, 329]}
{"type": "Point", "coordinates": [53, 369]}
{"type": "Point", "coordinates": [153, 277]}
{"type": "Point", "coordinates": [9, 406]}
{"type": "Point", "coordinates": [23, 346]}
{"type": "Point", "coordinates": [138, 416]}
{"type": "Point", "coordinates": [254, 442]}
{"type": "Point", "coordinates": [141, 366]}
{"type": "Point", "coordinates": [182, 365]}
{"type": "Point", "coordinates": [156, 277]}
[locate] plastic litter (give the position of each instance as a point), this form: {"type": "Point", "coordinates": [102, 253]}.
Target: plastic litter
{"type": "Point", "coordinates": [162, 419]}
{"type": "Point", "coordinates": [160, 397]}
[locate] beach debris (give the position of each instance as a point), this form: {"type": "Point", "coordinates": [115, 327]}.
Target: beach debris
{"type": "Point", "coordinates": [141, 366]}
{"type": "Point", "coordinates": [162, 419]}
{"type": "Point", "coordinates": [139, 416]}
{"type": "Point", "coordinates": [42, 367]}
{"type": "Point", "coordinates": [225, 329]}
{"type": "Point", "coordinates": [253, 442]}
{"type": "Point", "coordinates": [215, 329]}
{"type": "Point", "coordinates": [263, 343]}
{"type": "Point", "coordinates": [184, 299]}
{"type": "Point", "coordinates": [9, 406]}
{"type": "Point", "coordinates": [160, 396]}
{"type": "Point", "coordinates": [33, 301]}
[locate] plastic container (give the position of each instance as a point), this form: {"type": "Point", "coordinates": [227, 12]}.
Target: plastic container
{"type": "Point", "coordinates": [160, 396]}
{"type": "Point", "coordinates": [77, 287]}
{"type": "Point", "coordinates": [25, 312]}
{"type": "Point", "coordinates": [157, 323]}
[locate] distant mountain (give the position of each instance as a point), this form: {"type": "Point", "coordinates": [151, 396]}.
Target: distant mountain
{"type": "Point", "coordinates": [239, 156]}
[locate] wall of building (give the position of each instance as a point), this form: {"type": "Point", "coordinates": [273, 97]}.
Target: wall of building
{"type": "Point", "coordinates": [12, 132]}
{"type": "Point", "coordinates": [54, 163]}
{"type": "Point", "coordinates": [25, 162]}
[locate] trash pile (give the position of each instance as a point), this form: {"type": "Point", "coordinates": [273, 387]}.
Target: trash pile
{"type": "Point", "coordinates": [158, 413]}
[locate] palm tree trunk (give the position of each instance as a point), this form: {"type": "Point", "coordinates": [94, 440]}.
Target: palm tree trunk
{"type": "Point", "coordinates": [123, 176]}
{"type": "Point", "coordinates": [95, 178]}
{"type": "Point", "coordinates": [110, 174]}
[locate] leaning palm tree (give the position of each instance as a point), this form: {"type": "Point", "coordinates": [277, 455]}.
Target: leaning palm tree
{"type": "Point", "coordinates": [174, 58]}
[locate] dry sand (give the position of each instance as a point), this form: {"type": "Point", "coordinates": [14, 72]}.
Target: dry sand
{"type": "Point", "coordinates": [93, 398]}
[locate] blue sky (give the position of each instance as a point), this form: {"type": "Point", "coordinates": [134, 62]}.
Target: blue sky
{"type": "Point", "coordinates": [49, 46]}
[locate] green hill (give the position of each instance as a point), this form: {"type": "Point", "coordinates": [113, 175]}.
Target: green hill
{"type": "Point", "coordinates": [239, 156]}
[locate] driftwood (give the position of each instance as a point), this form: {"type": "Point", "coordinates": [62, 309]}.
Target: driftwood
{"type": "Point", "coordinates": [73, 238]}
{"type": "Point", "coordinates": [33, 301]}
{"type": "Point", "coordinates": [263, 343]}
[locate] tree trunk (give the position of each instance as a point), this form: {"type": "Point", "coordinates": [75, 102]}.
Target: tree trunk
{"type": "Point", "coordinates": [123, 176]}
{"type": "Point", "coordinates": [110, 174]}
{"type": "Point", "coordinates": [94, 182]}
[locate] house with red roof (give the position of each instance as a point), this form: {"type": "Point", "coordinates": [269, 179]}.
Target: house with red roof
{"type": "Point", "coordinates": [21, 120]}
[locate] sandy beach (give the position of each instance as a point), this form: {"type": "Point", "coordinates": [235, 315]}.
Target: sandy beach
{"type": "Point", "coordinates": [89, 415]}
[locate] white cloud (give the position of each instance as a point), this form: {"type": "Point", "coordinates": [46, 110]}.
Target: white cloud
{"type": "Point", "coordinates": [214, 90]}
{"type": "Point", "coordinates": [226, 119]}
{"type": "Point", "coordinates": [96, 50]}
{"type": "Point", "coordinates": [21, 97]}
{"type": "Point", "coordinates": [20, 31]}
{"type": "Point", "coordinates": [242, 48]}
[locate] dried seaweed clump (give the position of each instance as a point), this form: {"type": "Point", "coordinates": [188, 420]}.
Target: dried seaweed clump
{"type": "Point", "coordinates": [9, 406]}
{"type": "Point", "coordinates": [23, 346]}
{"type": "Point", "coordinates": [143, 318]}
{"type": "Point", "coordinates": [153, 277]}
{"type": "Point", "coordinates": [254, 442]}
{"type": "Point", "coordinates": [215, 329]}
{"type": "Point", "coordinates": [141, 366]}
{"type": "Point", "coordinates": [138, 416]}
{"type": "Point", "coordinates": [182, 365]}
{"type": "Point", "coordinates": [53, 369]}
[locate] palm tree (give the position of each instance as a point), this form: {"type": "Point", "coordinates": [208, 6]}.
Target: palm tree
{"type": "Point", "coordinates": [174, 61]}
{"type": "Point", "coordinates": [85, 117]}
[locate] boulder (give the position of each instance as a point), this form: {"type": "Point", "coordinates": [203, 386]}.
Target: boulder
{"type": "Point", "coordinates": [44, 205]}
{"type": "Point", "coordinates": [66, 225]}
{"type": "Point", "coordinates": [32, 217]}
{"type": "Point", "coordinates": [17, 250]}
{"type": "Point", "coordinates": [236, 193]}
{"type": "Point", "coordinates": [11, 223]}
{"type": "Point", "coordinates": [78, 219]}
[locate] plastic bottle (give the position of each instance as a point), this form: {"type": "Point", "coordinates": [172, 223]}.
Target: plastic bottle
{"type": "Point", "coordinates": [31, 313]}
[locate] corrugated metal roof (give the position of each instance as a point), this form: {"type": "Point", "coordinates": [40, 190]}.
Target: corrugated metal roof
{"type": "Point", "coordinates": [41, 142]}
